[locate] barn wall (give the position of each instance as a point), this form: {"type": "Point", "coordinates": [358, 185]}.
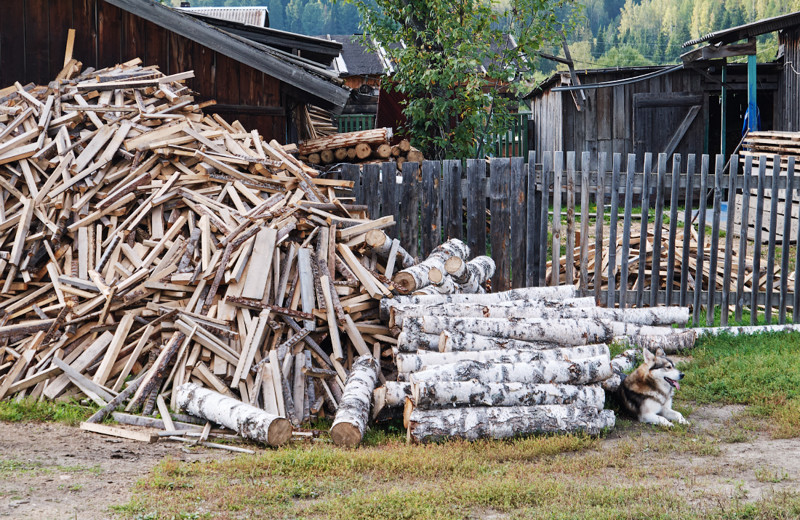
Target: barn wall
{"type": "Point", "coordinates": [790, 98]}
{"type": "Point", "coordinates": [547, 118]}
{"type": "Point", "coordinates": [33, 35]}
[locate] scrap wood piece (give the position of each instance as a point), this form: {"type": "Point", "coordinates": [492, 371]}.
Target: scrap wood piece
{"type": "Point", "coordinates": [114, 431]}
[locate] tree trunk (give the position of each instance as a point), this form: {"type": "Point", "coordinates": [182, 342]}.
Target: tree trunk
{"type": "Point", "coordinates": [578, 372]}
{"type": "Point", "coordinates": [250, 422]}
{"type": "Point", "coordinates": [350, 139]}
{"type": "Point", "coordinates": [447, 394]}
{"type": "Point", "coordinates": [363, 151]}
{"type": "Point", "coordinates": [382, 245]}
{"type": "Point", "coordinates": [352, 415]}
{"type": "Point", "coordinates": [412, 342]}
{"type": "Point", "coordinates": [420, 361]}
{"type": "Point", "coordinates": [477, 272]}
{"type": "Point", "coordinates": [340, 154]}
{"type": "Point", "coordinates": [505, 422]}
{"type": "Point", "coordinates": [674, 342]}
{"type": "Point", "coordinates": [450, 341]}
{"type": "Point", "coordinates": [430, 269]}
{"type": "Point", "coordinates": [383, 151]}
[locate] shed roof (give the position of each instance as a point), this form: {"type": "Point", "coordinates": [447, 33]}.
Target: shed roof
{"type": "Point", "coordinates": [359, 60]}
{"type": "Point", "coordinates": [303, 77]}
{"type": "Point", "coordinates": [749, 30]}
{"type": "Point", "coordinates": [258, 16]}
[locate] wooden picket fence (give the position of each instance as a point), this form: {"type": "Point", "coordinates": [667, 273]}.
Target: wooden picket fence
{"type": "Point", "coordinates": [505, 207]}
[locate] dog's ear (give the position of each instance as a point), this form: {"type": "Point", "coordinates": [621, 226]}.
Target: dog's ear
{"type": "Point", "coordinates": [660, 352]}
{"type": "Point", "coordinates": [648, 356]}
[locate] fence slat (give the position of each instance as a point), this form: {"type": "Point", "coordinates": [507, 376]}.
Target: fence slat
{"type": "Point", "coordinates": [773, 224]}
{"type": "Point", "coordinates": [518, 222]}
{"type": "Point", "coordinates": [452, 214]}
{"type": "Point", "coordinates": [371, 178]}
{"type": "Point", "coordinates": [729, 218]}
{"type": "Point", "coordinates": [687, 218]}
{"type": "Point", "coordinates": [558, 173]}
{"type": "Point", "coordinates": [570, 267]}
{"type": "Point", "coordinates": [499, 184]}
{"type": "Point", "coordinates": [673, 225]}
{"type": "Point", "coordinates": [533, 216]}
{"type": "Point", "coordinates": [476, 206]}
{"type": "Point", "coordinates": [600, 202]}
{"type": "Point", "coordinates": [701, 237]}
{"type": "Point", "coordinates": [431, 195]}
{"type": "Point", "coordinates": [626, 231]}
{"type": "Point", "coordinates": [786, 242]}
{"type": "Point", "coordinates": [409, 208]}
{"type": "Point", "coordinates": [655, 273]}
{"type": "Point", "coordinates": [762, 181]}
{"type": "Point", "coordinates": [796, 299]}
{"type": "Point", "coordinates": [612, 230]}
{"type": "Point", "coordinates": [714, 257]}
{"type": "Point", "coordinates": [389, 194]}
{"type": "Point", "coordinates": [351, 172]}
{"type": "Point", "coordinates": [584, 251]}
{"type": "Point", "coordinates": [648, 169]}
{"type": "Point", "coordinates": [743, 231]}
{"type": "Point", "coordinates": [547, 175]}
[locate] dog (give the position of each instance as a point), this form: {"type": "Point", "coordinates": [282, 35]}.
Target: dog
{"type": "Point", "coordinates": [646, 393]}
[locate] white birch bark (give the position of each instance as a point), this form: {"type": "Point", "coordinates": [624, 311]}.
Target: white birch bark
{"type": "Point", "coordinates": [673, 342]}
{"type": "Point", "coordinates": [416, 362]}
{"type": "Point", "coordinates": [412, 342]}
{"type": "Point", "coordinates": [396, 392]}
{"type": "Point", "coordinates": [382, 245]}
{"type": "Point", "coordinates": [738, 331]}
{"type": "Point", "coordinates": [352, 415]}
{"type": "Point", "coordinates": [250, 422]}
{"type": "Point", "coordinates": [505, 422]}
{"type": "Point", "coordinates": [451, 341]}
{"type": "Point", "coordinates": [621, 363]}
{"type": "Point", "coordinates": [577, 372]}
{"type": "Point", "coordinates": [430, 269]}
{"type": "Point", "coordinates": [447, 394]}
{"type": "Point", "coordinates": [477, 272]}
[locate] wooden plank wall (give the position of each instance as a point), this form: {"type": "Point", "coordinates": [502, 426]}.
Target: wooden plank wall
{"type": "Point", "coordinates": [790, 80]}
{"type": "Point", "coordinates": [435, 201]}
{"type": "Point", "coordinates": [33, 35]}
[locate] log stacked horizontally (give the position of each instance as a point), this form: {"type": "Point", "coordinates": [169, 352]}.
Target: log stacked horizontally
{"type": "Point", "coordinates": [360, 147]}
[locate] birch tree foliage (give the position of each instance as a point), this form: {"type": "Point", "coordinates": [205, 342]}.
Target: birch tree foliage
{"type": "Point", "coordinates": [455, 66]}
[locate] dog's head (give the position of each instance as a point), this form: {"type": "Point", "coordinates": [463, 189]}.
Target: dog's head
{"type": "Point", "coordinates": [662, 369]}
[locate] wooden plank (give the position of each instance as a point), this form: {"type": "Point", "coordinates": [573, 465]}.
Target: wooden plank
{"type": "Point", "coordinates": [333, 328]}
{"type": "Point", "coordinates": [499, 186]}
{"type": "Point", "coordinates": [409, 206]}
{"type": "Point", "coordinates": [714, 254]}
{"type": "Point", "coordinates": [728, 262]}
{"type": "Point", "coordinates": [645, 204]}
{"type": "Point", "coordinates": [352, 173]}
{"type": "Point", "coordinates": [113, 431]}
{"type": "Point", "coordinates": [762, 181]}
{"type": "Point", "coordinates": [544, 220]}
{"type": "Point", "coordinates": [517, 248]}
{"type": "Point", "coordinates": [86, 358]}
{"type": "Point", "coordinates": [785, 243]}
{"type": "Point", "coordinates": [558, 174]}
{"type": "Point", "coordinates": [370, 180]}
{"type": "Point", "coordinates": [701, 235]}
{"type": "Point", "coordinates": [687, 217]}
{"type": "Point", "coordinates": [626, 230]}
{"type": "Point", "coordinates": [389, 194]}
{"type": "Point", "coordinates": [584, 250]}
{"type": "Point", "coordinates": [533, 215]}
{"type": "Point", "coordinates": [673, 225]}
{"type": "Point", "coordinates": [570, 267]}
{"type": "Point", "coordinates": [773, 225]}
{"type": "Point", "coordinates": [612, 230]}
{"type": "Point", "coordinates": [746, 183]}
{"type": "Point", "coordinates": [430, 212]}
{"type": "Point", "coordinates": [600, 203]}
{"type": "Point", "coordinates": [94, 391]}
{"type": "Point", "coordinates": [260, 264]}
{"type": "Point", "coordinates": [476, 206]}
{"type": "Point", "coordinates": [452, 213]}
{"type": "Point", "coordinates": [655, 275]}
{"type": "Point", "coordinates": [120, 335]}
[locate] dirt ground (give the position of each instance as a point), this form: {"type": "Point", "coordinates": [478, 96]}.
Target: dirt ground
{"type": "Point", "coordinates": [56, 471]}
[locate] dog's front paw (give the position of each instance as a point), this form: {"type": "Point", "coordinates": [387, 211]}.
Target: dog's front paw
{"type": "Point", "coordinates": [657, 420]}
{"type": "Point", "coordinates": [682, 420]}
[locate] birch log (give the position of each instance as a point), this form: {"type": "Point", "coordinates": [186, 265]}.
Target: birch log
{"type": "Point", "coordinates": [505, 422]}
{"type": "Point", "coordinates": [450, 341]}
{"type": "Point", "coordinates": [621, 364]}
{"type": "Point", "coordinates": [391, 395]}
{"type": "Point", "coordinates": [578, 372]}
{"type": "Point", "coordinates": [422, 360]}
{"type": "Point", "coordinates": [352, 415]}
{"type": "Point", "coordinates": [674, 342]}
{"type": "Point", "coordinates": [477, 272]}
{"type": "Point", "coordinates": [250, 422]}
{"type": "Point", "coordinates": [432, 268]}
{"type": "Point", "coordinates": [447, 394]}
{"type": "Point", "coordinates": [408, 342]}
{"type": "Point", "coordinates": [381, 244]}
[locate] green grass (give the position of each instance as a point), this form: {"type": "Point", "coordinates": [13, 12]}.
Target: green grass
{"type": "Point", "coordinates": [761, 371]}
{"type": "Point", "coordinates": [30, 410]}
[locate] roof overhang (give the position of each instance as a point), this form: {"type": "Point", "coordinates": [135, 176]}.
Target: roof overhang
{"type": "Point", "coordinates": [750, 30]}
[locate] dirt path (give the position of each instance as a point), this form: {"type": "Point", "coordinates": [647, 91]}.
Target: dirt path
{"type": "Point", "coordinates": [55, 471]}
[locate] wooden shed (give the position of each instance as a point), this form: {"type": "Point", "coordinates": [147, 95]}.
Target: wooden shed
{"type": "Point", "coordinates": [257, 75]}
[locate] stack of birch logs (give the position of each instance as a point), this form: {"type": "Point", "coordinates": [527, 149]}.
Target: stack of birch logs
{"type": "Point", "coordinates": [146, 245]}
{"type": "Point", "coordinates": [505, 364]}
{"type": "Point", "coordinates": [361, 147]}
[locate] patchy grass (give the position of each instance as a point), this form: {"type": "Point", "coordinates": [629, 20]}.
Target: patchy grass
{"type": "Point", "coordinates": [761, 371]}
{"type": "Point", "coordinates": [31, 410]}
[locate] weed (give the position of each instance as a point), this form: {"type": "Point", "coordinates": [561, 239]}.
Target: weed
{"type": "Point", "coordinates": [773, 475]}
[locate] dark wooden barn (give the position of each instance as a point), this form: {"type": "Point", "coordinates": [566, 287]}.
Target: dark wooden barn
{"type": "Point", "coordinates": [257, 75]}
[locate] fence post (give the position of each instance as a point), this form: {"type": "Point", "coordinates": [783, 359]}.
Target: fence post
{"type": "Point", "coordinates": [787, 231]}
{"type": "Point", "coordinates": [673, 224]}
{"type": "Point", "coordinates": [476, 206]}
{"type": "Point", "coordinates": [430, 213]}
{"type": "Point", "coordinates": [351, 172]}
{"type": "Point", "coordinates": [648, 170]}
{"type": "Point", "coordinates": [729, 218]}
{"type": "Point", "coordinates": [655, 272]}
{"type": "Point", "coordinates": [584, 251]}
{"type": "Point", "coordinates": [701, 241]}
{"type": "Point", "coordinates": [389, 194]}
{"type": "Point", "coordinates": [773, 223]}
{"type": "Point", "coordinates": [713, 260]}
{"type": "Point", "coordinates": [518, 222]}
{"type": "Point", "coordinates": [534, 216]}
{"type": "Point", "coordinates": [570, 266]}
{"type": "Point", "coordinates": [612, 231]}
{"type": "Point", "coordinates": [762, 180]}
{"type": "Point", "coordinates": [371, 177]}
{"type": "Point", "coordinates": [558, 172]}
{"type": "Point", "coordinates": [547, 169]}
{"type": "Point", "coordinates": [600, 203]}
{"type": "Point", "coordinates": [687, 217]}
{"type": "Point", "coordinates": [452, 215]}
{"type": "Point", "coordinates": [743, 232]}
{"type": "Point", "coordinates": [409, 208]}
{"type": "Point", "coordinates": [626, 232]}
{"type": "Point", "coordinates": [499, 182]}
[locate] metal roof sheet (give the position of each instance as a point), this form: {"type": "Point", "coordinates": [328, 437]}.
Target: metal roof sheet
{"type": "Point", "coordinates": [749, 30]}
{"type": "Point", "coordinates": [258, 16]}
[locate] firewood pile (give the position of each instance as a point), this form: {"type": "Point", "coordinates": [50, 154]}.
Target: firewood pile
{"type": "Point", "coordinates": [505, 364]}
{"type": "Point", "coordinates": [361, 147]}
{"type": "Point", "coordinates": [147, 245]}
{"type": "Point", "coordinates": [665, 277]}
{"type": "Point", "coordinates": [769, 144]}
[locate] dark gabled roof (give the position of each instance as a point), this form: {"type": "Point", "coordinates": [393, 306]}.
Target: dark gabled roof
{"type": "Point", "coordinates": [358, 59]}
{"type": "Point", "coordinates": [317, 49]}
{"type": "Point", "coordinates": [749, 30]}
{"type": "Point", "coordinates": [303, 77]}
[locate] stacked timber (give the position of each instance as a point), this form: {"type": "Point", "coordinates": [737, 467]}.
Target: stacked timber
{"type": "Point", "coordinates": [150, 251]}
{"type": "Point", "coordinates": [361, 147]}
{"type": "Point", "coordinates": [512, 363]}
{"type": "Point", "coordinates": [767, 144]}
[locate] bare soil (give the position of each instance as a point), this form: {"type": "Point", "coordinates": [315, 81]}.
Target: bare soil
{"type": "Point", "coordinates": [56, 471]}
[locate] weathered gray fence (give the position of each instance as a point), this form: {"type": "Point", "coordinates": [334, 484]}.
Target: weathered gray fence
{"type": "Point", "coordinates": [506, 207]}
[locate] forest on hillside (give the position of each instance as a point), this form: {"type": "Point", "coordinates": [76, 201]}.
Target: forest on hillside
{"type": "Point", "coordinates": [610, 33]}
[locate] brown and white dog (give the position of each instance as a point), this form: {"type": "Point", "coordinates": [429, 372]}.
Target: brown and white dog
{"type": "Point", "coordinates": [647, 392]}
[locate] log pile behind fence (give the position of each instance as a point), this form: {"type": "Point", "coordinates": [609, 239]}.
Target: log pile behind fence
{"type": "Point", "coordinates": [506, 207]}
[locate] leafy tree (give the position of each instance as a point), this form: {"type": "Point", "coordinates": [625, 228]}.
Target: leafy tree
{"type": "Point", "coordinates": [441, 50]}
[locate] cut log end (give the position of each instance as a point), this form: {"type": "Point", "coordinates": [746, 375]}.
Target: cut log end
{"type": "Point", "coordinates": [345, 434]}
{"type": "Point", "coordinates": [404, 282]}
{"type": "Point", "coordinates": [279, 432]}
{"type": "Point", "coordinates": [363, 151]}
